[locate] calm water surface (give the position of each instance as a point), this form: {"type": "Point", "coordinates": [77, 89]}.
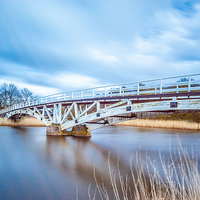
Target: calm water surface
{"type": "Point", "coordinates": [34, 166]}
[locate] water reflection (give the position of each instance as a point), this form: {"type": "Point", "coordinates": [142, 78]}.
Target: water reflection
{"type": "Point", "coordinates": [20, 129]}
{"type": "Point", "coordinates": [80, 156]}
{"type": "Point", "coordinates": [34, 166]}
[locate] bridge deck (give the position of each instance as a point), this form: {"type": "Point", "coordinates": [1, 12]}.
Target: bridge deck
{"type": "Point", "coordinates": [179, 86]}
{"type": "Point", "coordinates": [89, 109]}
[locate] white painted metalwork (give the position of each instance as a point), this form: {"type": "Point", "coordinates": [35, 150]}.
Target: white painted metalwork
{"type": "Point", "coordinates": [187, 83]}
{"type": "Point", "coordinates": [190, 104]}
{"type": "Point", "coordinates": [98, 107]}
{"type": "Point", "coordinates": [97, 113]}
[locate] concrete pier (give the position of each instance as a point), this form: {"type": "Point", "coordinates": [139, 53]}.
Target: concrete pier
{"type": "Point", "coordinates": [81, 131]}
{"type": "Point", "coordinates": [53, 130]}
{"type": "Point", "coordinates": [77, 131]}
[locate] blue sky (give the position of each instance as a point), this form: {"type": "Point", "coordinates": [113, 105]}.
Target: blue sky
{"type": "Point", "coordinates": [53, 46]}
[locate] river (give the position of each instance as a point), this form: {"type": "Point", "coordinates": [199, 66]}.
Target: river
{"type": "Point", "coordinates": [36, 166]}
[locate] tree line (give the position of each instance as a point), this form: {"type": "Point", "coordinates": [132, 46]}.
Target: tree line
{"type": "Point", "coordinates": [10, 95]}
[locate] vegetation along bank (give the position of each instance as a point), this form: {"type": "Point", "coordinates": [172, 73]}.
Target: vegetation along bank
{"type": "Point", "coordinates": [187, 121]}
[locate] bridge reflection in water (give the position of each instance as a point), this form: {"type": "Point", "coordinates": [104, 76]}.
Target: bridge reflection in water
{"type": "Point", "coordinates": [33, 166]}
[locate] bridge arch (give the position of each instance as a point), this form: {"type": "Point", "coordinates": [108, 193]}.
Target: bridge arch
{"type": "Point", "coordinates": [28, 113]}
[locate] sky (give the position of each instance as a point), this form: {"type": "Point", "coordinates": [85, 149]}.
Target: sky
{"type": "Point", "coordinates": [53, 46]}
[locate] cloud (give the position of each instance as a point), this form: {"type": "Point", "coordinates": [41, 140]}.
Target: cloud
{"type": "Point", "coordinates": [101, 56]}
{"type": "Point", "coordinates": [72, 44]}
{"type": "Point", "coordinates": [33, 79]}
{"type": "Point", "coordinates": [144, 60]}
{"type": "Point", "coordinates": [35, 89]}
{"type": "Point", "coordinates": [74, 81]}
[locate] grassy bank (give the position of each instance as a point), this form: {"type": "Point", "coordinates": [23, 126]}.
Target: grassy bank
{"type": "Point", "coordinates": [189, 117]}
{"type": "Point", "coordinates": [187, 121]}
{"type": "Point", "coordinates": [26, 121]}
{"type": "Point", "coordinates": [169, 124]}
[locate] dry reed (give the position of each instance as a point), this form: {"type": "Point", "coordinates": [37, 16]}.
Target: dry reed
{"type": "Point", "coordinates": [26, 121]}
{"type": "Point", "coordinates": [181, 180]}
{"type": "Point", "coordinates": [170, 124]}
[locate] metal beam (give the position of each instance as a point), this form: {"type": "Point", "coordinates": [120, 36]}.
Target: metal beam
{"type": "Point", "coordinates": [49, 115]}
{"type": "Point", "coordinates": [86, 110]}
{"type": "Point", "coordinates": [135, 108]}
{"type": "Point", "coordinates": [68, 112]}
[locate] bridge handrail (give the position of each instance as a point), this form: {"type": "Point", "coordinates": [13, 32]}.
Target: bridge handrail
{"type": "Point", "coordinates": [140, 88]}
{"type": "Point", "coordinates": [111, 85]}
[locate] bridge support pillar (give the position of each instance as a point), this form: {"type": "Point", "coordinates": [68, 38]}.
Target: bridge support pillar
{"type": "Point", "coordinates": [77, 131]}
{"type": "Point", "coordinates": [81, 131]}
{"type": "Point", "coordinates": [53, 129]}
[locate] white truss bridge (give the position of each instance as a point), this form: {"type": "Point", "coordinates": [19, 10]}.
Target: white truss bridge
{"type": "Point", "coordinates": [93, 108]}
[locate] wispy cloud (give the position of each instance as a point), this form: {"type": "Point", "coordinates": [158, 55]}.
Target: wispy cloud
{"type": "Point", "coordinates": [102, 56]}
{"type": "Point", "coordinates": [74, 81]}
{"type": "Point", "coordinates": [54, 43]}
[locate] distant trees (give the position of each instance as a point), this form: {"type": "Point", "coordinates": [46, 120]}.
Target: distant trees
{"type": "Point", "coordinates": [10, 95]}
{"type": "Point", "coordinates": [25, 95]}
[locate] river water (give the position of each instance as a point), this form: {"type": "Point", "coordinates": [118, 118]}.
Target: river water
{"type": "Point", "coordinates": [36, 166]}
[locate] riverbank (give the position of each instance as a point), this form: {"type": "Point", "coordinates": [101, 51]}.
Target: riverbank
{"type": "Point", "coordinates": [184, 121]}
{"type": "Point", "coordinates": [26, 121]}
{"type": "Point", "coordinates": [169, 124]}
{"type": "Point", "coordinates": [187, 121]}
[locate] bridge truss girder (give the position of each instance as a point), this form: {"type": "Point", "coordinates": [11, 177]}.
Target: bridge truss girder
{"type": "Point", "coordinates": [99, 114]}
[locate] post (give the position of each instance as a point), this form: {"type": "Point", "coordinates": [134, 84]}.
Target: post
{"type": "Point", "coordinates": [138, 88]}
{"type": "Point", "coordinates": [57, 113]}
{"type": "Point", "coordinates": [81, 94]}
{"type": "Point", "coordinates": [189, 82]}
{"type": "Point", "coordinates": [160, 86]}
{"type": "Point", "coordinates": [120, 90]}
{"type": "Point", "coordinates": [76, 110]}
{"type": "Point", "coordinates": [59, 109]}
{"type": "Point", "coordinates": [54, 113]}
{"type": "Point", "coordinates": [98, 106]}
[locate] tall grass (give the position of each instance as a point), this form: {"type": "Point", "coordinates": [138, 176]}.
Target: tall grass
{"type": "Point", "coordinates": [26, 121]}
{"type": "Point", "coordinates": [178, 179]}
{"type": "Point", "coordinates": [162, 124]}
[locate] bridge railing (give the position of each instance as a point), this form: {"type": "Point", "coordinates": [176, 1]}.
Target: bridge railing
{"type": "Point", "coordinates": [178, 84]}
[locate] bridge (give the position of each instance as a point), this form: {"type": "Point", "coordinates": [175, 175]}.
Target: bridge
{"type": "Point", "coordinates": [79, 112]}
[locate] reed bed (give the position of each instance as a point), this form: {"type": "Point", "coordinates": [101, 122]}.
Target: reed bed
{"type": "Point", "coordinates": [169, 124]}
{"type": "Point", "coordinates": [180, 180]}
{"type": "Point", "coordinates": [26, 121]}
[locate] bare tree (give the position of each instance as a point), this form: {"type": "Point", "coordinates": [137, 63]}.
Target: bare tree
{"type": "Point", "coordinates": [4, 95]}
{"type": "Point", "coordinates": [26, 95]}
{"type": "Point", "coordinates": [14, 94]}
{"type": "Point", "coordinates": [9, 95]}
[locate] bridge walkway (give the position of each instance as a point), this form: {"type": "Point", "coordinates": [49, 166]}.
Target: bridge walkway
{"type": "Point", "coordinates": [81, 111]}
